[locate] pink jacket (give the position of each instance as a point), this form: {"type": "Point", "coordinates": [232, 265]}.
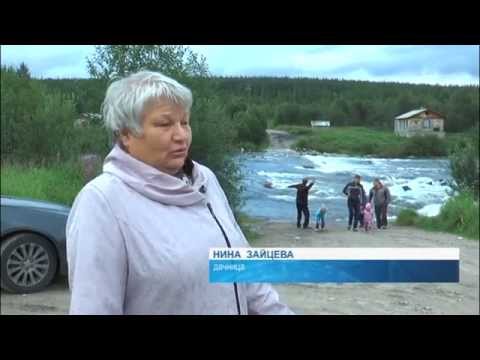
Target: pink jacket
{"type": "Point", "coordinates": [367, 216]}
{"type": "Point", "coordinates": [138, 242]}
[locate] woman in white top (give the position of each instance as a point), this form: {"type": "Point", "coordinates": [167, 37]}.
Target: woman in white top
{"type": "Point", "coordinates": [138, 235]}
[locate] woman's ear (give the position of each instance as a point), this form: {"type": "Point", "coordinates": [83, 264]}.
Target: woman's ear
{"type": "Point", "coordinates": [124, 138]}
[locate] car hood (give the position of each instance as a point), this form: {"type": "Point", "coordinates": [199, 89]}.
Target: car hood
{"type": "Point", "coordinates": [34, 204]}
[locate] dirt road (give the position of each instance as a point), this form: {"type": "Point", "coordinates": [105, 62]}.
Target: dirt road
{"type": "Point", "coordinates": [461, 298]}
{"type": "Point", "coordinates": [280, 139]}
{"type": "Point", "coordinates": [53, 301]}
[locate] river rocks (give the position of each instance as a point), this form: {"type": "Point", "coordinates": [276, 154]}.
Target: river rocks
{"type": "Point", "coordinates": [308, 166]}
{"type": "Point", "coordinates": [268, 184]}
{"type": "Point", "coordinates": [406, 188]}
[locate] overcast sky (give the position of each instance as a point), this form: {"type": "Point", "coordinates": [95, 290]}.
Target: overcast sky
{"type": "Point", "coordinates": [431, 64]}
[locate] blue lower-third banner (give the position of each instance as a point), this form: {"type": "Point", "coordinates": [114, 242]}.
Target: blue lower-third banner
{"type": "Point", "coordinates": [334, 265]}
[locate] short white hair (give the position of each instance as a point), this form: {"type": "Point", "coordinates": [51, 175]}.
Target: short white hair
{"type": "Point", "coordinates": [126, 99]}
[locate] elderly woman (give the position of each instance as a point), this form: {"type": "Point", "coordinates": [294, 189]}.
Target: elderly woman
{"type": "Point", "coordinates": [380, 194]}
{"type": "Point", "coordinates": [138, 235]}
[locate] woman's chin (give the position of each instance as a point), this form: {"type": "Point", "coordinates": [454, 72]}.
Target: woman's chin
{"type": "Point", "coordinates": [175, 166]}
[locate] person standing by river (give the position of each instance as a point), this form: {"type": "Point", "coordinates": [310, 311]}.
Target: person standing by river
{"type": "Point", "coordinates": [356, 198]}
{"type": "Point", "coordinates": [302, 202]}
{"type": "Point", "coordinates": [381, 198]}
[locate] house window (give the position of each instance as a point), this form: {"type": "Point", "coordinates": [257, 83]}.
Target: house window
{"type": "Point", "coordinates": [427, 123]}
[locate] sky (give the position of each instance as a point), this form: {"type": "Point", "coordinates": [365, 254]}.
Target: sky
{"type": "Point", "coordinates": [417, 64]}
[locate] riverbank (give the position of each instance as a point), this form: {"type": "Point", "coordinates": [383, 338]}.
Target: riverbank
{"type": "Point", "coordinates": [368, 141]}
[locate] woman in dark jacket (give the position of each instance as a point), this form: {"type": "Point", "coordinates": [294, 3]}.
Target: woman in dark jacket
{"type": "Point", "coordinates": [381, 198]}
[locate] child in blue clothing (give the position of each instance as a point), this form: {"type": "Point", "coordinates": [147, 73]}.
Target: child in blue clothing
{"type": "Point", "coordinates": [320, 216]}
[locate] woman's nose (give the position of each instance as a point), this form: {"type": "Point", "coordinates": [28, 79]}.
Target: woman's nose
{"type": "Point", "coordinates": [179, 133]}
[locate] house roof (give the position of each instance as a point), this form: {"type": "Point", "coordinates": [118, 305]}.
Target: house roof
{"type": "Point", "coordinates": [412, 113]}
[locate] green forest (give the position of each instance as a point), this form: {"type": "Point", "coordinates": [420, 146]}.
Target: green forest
{"type": "Point", "coordinates": [290, 101]}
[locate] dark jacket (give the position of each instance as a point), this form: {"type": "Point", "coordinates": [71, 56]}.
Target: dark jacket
{"type": "Point", "coordinates": [302, 192]}
{"type": "Point", "coordinates": [380, 196]}
{"type": "Point", "coordinates": [355, 192]}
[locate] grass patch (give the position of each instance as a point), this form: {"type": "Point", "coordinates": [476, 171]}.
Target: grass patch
{"type": "Point", "coordinates": [369, 141]}
{"type": "Point", "coordinates": [407, 217]}
{"type": "Point", "coordinates": [249, 226]}
{"type": "Point", "coordinates": [459, 216]}
{"type": "Point", "coordinates": [295, 130]}
{"type": "Point", "coordinates": [352, 140]}
{"type": "Point", "coordinates": [58, 183]}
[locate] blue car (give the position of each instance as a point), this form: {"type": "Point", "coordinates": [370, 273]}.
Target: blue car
{"type": "Point", "coordinates": [33, 243]}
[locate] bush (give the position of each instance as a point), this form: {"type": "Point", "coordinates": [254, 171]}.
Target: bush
{"type": "Point", "coordinates": [464, 163]}
{"type": "Point", "coordinates": [92, 139]}
{"type": "Point", "coordinates": [235, 107]}
{"type": "Point", "coordinates": [429, 145]}
{"type": "Point", "coordinates": [251, 127]}
{"type": "Point", "coordinates": [36, 125]}
{"type": "Point", "coordinates": [407, 217]}
{"type": "Point", "coordinates": [20, 99]}
{"type": "Point", "coordinates": [213, 146]}
{"type": "Point", "coordinates": [459, 215]}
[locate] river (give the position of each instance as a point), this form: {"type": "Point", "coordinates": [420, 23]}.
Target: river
{"type": "Point", "coordinates": [420, 184]}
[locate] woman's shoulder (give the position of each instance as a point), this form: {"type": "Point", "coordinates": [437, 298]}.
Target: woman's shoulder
{"type": "Point", "coordinates": [210, 178]}
{"type": "Point", "coordinates": [206, 172]}
{"type": "Point", "coordinates": [204, 169]}
{"type": "Point", "coordinates": [105, 186]}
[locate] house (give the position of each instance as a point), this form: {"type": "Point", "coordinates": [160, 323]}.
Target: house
{"type": "Point", "coordinates": [320, 123]}
{"type": "Point", "coordinates": [420, 122]}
